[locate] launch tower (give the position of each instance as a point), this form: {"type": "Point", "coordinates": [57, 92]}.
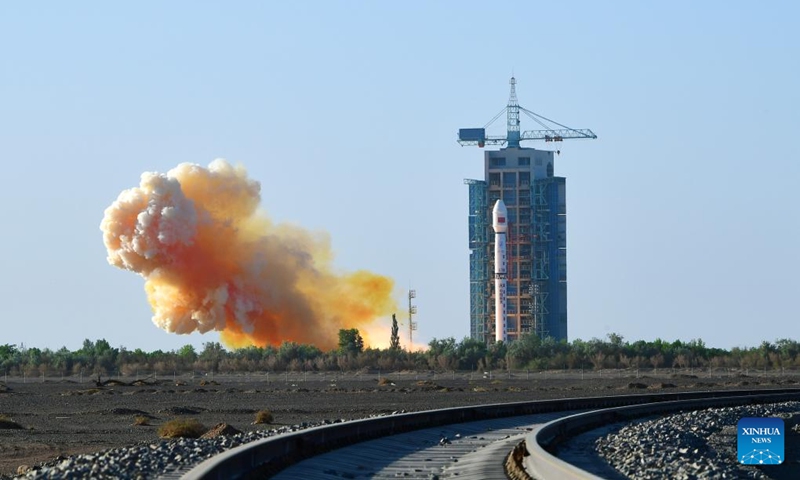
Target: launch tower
{"type": "Point", "coordinates": [536, 236]}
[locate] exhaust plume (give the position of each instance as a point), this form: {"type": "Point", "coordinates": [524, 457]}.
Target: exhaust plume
{"type": "Point", "coordinates": [212, 261]}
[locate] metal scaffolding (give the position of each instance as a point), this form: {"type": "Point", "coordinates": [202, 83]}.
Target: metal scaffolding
{"type": "Point", "coordinates": [541, 258]}
{"type": "Point", "coordinates": [537, 257]}
{"type": "Point", "coordinates": [536, 253]}
{"type": "Point", "coordinates": [548, 283]}
{"type": "Point", "coordinates": [478, 258]}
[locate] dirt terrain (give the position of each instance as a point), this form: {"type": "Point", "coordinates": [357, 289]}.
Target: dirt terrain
{"type": "Point", "coordinates": [64, 417]}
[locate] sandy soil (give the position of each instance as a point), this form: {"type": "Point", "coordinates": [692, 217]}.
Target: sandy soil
{"type": "Point", "coordinates": [64, 417]}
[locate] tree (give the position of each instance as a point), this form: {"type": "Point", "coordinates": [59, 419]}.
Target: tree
{"type": "Point", "coordinates": [212, 355]}
{"type": "Point", "coordinates": [657, 360]}
{"type": "Point", "coordinates": [7, 351]}
{"type": "Point", "coordinates": [496, 355]}
{"type": "Point", "coordinates": [188, 354]}
{"type": "Point", "coordinates": [598, 360]}
{"type": "Point", "coordinates": [350, 341]}
{"type": "Point", "coordinates": [470, 351]}
{"type": "Point", "coordinates": [443, 346]}
{"type": "Point", "coordinates": [525, 349]}
{"type": "Point", "coordinates": [101, 346]}
{"type": "Point", "coordinates": [395, 341]}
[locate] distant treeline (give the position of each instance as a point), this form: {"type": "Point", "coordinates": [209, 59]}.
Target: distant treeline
{"type": "Point", "coordinates": [530, 352]}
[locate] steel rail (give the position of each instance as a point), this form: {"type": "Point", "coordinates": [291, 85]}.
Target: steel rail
{"type": "Point", "coordinates": [541, 442]}
{"type": "Point", "coordinates": [266, 457]}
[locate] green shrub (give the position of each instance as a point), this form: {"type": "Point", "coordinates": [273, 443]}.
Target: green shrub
{"type": "Point", "coordinates": [264, 416]}
{"type": "Point", "coordinates": [181, 428]}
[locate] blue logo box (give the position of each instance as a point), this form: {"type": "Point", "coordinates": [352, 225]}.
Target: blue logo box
{"type": "Point", "coordinates": [760, 441]}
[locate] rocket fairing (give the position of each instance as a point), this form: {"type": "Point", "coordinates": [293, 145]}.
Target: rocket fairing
{"type": "Point", "coordinates": [500, 225]}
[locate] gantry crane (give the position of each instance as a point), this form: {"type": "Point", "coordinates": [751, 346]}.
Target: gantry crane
{"type": "Point", "coordinates": [477, 136]}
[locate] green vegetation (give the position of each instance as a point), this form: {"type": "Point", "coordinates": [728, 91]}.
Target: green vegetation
{"type": "Point", "coordinates": [530, 352]}
{"type": "Point", "coordinates": [394, 342]}
{"type": "Point", "coordinates": [350, 341]}
{"type": "Point", "coordinates": [181, 428]}
{"type": "Point", "coordinates": [263, 416]}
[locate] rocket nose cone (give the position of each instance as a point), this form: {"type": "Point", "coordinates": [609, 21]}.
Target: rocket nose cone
{"type": "Point", "coordinates": [499, 208]}
{"type": "Point", "coordinates": [499, 214]}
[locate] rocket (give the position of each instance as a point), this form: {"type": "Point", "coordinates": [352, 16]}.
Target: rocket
{"type": "Point", "coordinates": [500, 225]}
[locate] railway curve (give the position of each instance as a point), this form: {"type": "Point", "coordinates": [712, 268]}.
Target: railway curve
{"type": "Point", "coordinates": [267, 458]}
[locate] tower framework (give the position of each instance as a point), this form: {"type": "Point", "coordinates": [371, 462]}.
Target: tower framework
{"type": "Point", "coordinates": [535, 199]}
{"type": "Point", "coordinates": [536, 238]}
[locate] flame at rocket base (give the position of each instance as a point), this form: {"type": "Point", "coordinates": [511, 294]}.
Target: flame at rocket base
{"type": "Point", "coordinates": [213, 262]}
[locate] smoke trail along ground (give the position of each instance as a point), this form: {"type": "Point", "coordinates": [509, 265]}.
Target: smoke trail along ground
{"type": "Point", "coordinates": [212, 261]}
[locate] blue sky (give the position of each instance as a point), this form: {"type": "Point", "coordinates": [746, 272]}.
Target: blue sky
{"type": "Point", "coordinates": [682, 215]}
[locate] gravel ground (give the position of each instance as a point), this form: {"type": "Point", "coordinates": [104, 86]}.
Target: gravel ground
{"type": "Point", "coordinates": [151, 459]}
{"type": "Point", "coordinates": [61, 419]}
{"type": "Point", "coordinates": [698, 445]}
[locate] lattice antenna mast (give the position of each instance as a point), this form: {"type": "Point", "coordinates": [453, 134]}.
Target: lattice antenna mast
{"type": "Point", "coordinates": [412, 325]}
{"type": "Point", "coordinates": [512, 113]}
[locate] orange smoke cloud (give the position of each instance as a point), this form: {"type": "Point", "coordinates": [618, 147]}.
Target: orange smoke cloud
{"type": "Point", "coordinates": [212, 260]}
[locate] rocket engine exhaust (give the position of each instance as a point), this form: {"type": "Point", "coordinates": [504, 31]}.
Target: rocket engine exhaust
{"type": "Point", "coordinates": [213, 261]}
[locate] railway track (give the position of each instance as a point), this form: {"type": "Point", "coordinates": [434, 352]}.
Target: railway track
{"type": "Point", "coordinates": [470, 450]}
{"type": "Point", "coordinates": [467, 442]}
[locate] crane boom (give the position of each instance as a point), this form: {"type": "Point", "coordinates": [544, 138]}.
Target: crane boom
{"type": "Point", "coordinates": [477, 136]}
{"type": "Point", "coordinates": [546, 135]}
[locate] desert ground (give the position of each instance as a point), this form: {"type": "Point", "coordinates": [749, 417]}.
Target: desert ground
{"type": "Point", "coordinates": [61, 417]}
